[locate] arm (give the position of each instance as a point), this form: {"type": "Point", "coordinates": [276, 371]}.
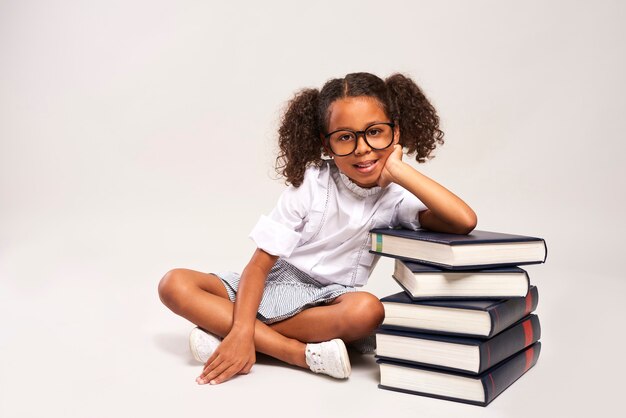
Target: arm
{"type": "Point", "coordinates": [446, 212]}
{"type": "Point", "coordinates": [250, 292]}
{"type": "Point", "coordinates": [236, 353]}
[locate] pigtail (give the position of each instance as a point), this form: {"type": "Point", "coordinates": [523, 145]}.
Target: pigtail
{"type": "Point", "coordinates": [418, 120]}
{"type": "Point", "coordinates": [299, 137]}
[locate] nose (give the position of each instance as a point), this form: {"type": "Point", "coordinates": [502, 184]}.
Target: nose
{"type": "Point", "coordinates": [362, 147]}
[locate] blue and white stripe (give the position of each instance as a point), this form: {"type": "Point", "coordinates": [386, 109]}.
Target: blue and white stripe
{"type": "Point", "coordinates": [287, 292]}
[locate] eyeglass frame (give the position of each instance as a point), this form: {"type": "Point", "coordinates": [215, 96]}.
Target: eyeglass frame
{"type": "Point", "coordinates": [326, 142]}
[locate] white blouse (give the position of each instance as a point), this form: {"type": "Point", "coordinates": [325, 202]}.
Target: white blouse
{"type": "Point", "coordinates": [322, 227]}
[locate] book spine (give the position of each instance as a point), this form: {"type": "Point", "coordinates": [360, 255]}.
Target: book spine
{"type": "Point", "coordinates": [503, 376]}
{"type": "Point", "coordinates": [509, 342]}
{"type": "Point", "coordinates": [506, 314]}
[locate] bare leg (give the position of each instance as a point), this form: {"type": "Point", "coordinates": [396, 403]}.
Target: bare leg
{"type": "Point", "coordinates": [350, 317]}
{"type": "Point", "coordinates": [202, 299]}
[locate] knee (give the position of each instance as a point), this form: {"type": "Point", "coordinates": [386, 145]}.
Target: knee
{"type": "Point", "coordinates": [172, 288]}
{"type": "Point", "coordinates": [366, 313]}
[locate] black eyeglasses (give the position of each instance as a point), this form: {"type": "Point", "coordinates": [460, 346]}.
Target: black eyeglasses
{"type": "Point", "coordinates": [343, 142]}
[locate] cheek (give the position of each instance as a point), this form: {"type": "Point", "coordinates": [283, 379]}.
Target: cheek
{"type": "Point", "coordinates": [341, 164]}
{"type": "Point", "coordinates": [383, 155]}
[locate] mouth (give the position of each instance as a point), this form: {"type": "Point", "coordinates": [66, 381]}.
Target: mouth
{"type": "Point", "coordinates": [366, 167]}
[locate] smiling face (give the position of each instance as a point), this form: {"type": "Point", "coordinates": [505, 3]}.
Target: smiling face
{"type": "Point", "coordinates": [365, 164]}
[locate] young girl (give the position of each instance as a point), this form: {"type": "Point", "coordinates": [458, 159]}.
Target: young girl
{"type": "Point", "coordinates": [297, 299]}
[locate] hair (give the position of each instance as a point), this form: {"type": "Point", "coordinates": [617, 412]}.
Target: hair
{"type": "Point", "coordinates": [307, 115]}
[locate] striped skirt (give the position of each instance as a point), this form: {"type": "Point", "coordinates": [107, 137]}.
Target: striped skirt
{"type": "Point", "coordinates": [287, 292]}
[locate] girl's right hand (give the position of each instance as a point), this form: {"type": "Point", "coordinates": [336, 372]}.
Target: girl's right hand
{"type": "Point", "coordinates": [392, 162]}
{"type": "Point", "coordinates": [235, 355]}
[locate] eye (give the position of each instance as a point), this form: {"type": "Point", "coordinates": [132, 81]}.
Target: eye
{"type": "Point", "coordinates": [343, 136]}
{"type": "Point", "coordinates": [374, 132]}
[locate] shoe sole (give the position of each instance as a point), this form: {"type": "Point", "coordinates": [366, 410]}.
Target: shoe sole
{"type": "Point", "coordinates": [345, 359]}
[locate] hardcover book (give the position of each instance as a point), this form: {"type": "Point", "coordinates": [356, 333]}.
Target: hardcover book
{"type": "Point", "coordinates": [478, 318]}
{"type": "Point", "coordinates": [478, 390]}
{"type": "Point", "coordinates": [479, 249]}
{"type": "Point", "coordinates": [462, 354]}
{"type": "Point", "coordinates": [421, 281]}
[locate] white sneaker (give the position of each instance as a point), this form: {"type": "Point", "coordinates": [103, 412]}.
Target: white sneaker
{"type": "Point", "coordinates": [330, 357]}
{"type": "Point", "coordinates": [203, 344]}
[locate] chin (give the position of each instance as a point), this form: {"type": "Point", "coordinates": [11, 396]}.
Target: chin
{"type": "Point", "coordinates": [370, 181]}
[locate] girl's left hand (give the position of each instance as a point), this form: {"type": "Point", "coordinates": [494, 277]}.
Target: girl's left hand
{"type": "Point", "coordinates": [393, 161]}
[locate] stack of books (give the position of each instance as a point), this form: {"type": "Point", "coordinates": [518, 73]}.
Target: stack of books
{"type": "Point", "coordinates": [462, 329]}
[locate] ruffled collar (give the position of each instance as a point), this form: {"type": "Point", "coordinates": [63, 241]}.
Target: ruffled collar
{"type": "Point", "coordinates": [356, 189]}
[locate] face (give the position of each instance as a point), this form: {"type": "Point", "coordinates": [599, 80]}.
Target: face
{"type": "Point", "coordinates": [365, 164]}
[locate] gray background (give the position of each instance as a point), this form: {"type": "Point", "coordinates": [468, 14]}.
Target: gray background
{"type": "Point", "coordinates": [136, 137]}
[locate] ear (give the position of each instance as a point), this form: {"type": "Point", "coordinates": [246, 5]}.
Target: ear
{"type": "Point", "coordinates": [325, 152]}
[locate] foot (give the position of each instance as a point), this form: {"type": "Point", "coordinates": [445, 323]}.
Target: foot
{"type": "Point", "coordinates": [203, 344]}
{"type": "Point", "coordinates": [330, 357]}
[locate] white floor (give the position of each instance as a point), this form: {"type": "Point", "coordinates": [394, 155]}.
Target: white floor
{"type": "Point", "coordinates": [140, 136]}
{"type": "Point", "coordinates": [84, 335]}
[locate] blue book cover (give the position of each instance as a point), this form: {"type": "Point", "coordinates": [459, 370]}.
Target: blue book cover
{"type": "Point", "coordinates": [453, 252]}
{"type": "Point", "coordinates": [479, 390]}
{"type": "Point", "coordinates": [500, 314]}
{"type": "Point", "coordinates": [418, 348]}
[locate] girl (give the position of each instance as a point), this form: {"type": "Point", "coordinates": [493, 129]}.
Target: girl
{"type": "Point", "coordinates": [297, 299]}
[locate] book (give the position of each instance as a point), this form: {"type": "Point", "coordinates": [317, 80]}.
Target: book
{"type": "Point", "coordinates": [479, 318]}
{"type": "Point", "coordinates": [480, 390]}
{"type": "Point", "coordinates": [479, 249]}
{"type": "Point", "coordinates": [463, 354]}
{"type": "Point", "coordinates": [421, 281]}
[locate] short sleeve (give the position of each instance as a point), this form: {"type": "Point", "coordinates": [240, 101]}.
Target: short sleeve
{"type": "Point", "coordinates": [279, 232]}
{"type": "Point", "coordinates": [408, 210]}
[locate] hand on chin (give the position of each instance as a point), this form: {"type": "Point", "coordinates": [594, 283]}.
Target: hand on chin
{"type": "Point", "coordinates": [383, 180]}
{"type": "Point", "coordinates": [395, 157]}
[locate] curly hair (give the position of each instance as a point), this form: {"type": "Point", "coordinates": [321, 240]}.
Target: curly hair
{"type": "Point", "coordinates": [307, 116]}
